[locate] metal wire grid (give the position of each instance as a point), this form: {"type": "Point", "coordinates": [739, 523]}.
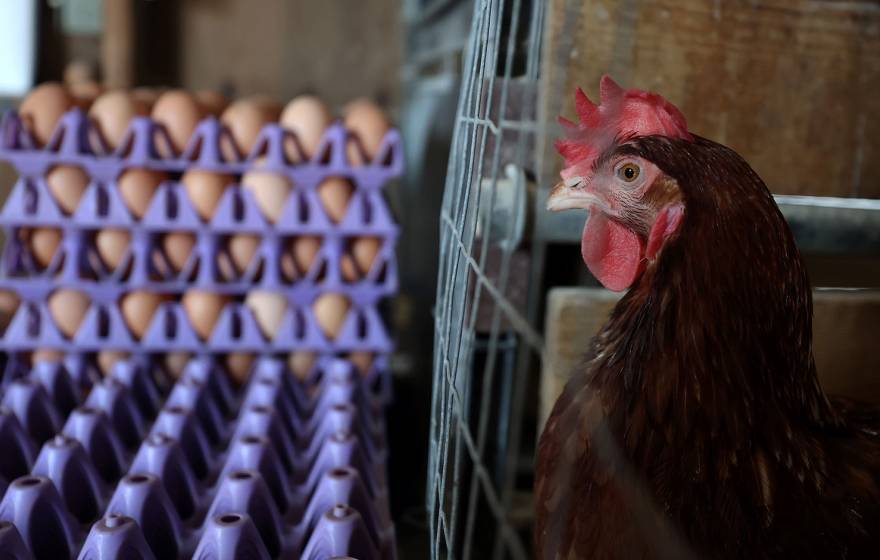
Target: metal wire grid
{"type": "Point", "coordinates": [458, 475]}
{"type": "Point", "coordinates": [462, 282]}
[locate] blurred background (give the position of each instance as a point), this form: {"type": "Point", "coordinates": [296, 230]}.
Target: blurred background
{"type": "Point", "coordinates": [337, 50]}
{"type": "Point", "coordinates": [802, 109]}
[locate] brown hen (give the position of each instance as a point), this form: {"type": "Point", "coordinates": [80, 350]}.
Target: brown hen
{"type": "Point", "coordinates": [696, 427]}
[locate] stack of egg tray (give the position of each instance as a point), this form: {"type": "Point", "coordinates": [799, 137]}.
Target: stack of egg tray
{"type": "Point", "coordinates": [201, 469]}
{"type": "Point", "coordinates": [143, 467]}
{"type": "Point", "coordinates": [76, 142]}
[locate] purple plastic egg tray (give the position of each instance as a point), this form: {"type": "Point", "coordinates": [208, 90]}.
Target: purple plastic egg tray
{"type": "Point", "coordinates": [75, 265]}
{"type": "Point", "coordinates": [139, 466]}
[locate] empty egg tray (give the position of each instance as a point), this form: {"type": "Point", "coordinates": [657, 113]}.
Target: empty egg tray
{"type": "Point", "coordinates": [76, 142]}
{"type": "Point", "coordinates": [195, 468]}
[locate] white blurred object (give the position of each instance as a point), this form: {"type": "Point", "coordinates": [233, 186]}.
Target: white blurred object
{"type": "Point", "coordinates": [81, 17]}
{"type": "Point", "coordinates": [18, 29]}
{"type": "Point", "coordinates": [504, 210]}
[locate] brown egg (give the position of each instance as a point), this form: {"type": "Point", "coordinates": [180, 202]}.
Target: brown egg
{"type": "Point", "coordinates": [180, 113]}
{"type": "Point", "coordinates": [79, 71]}
{"type": "Point", "coordinates": [111, 245]}
{"type": "Point", "coordinates": [242, 248]}
{"type": "Point", "coordinates": [350, 272]}
{"type": "Point", "coordinates": [138, 308]}
{"type": "Point", "coordinates": [308, 117]}
{"type": "Point", "coordinates": [85, 93]}
{"type": "Point", "coordinates": [204, 189]}
{"type": "Point", "coordinates": [212, 102]}
{"type": "Point", "coordinates": [49, 355]}
{"type": "Point", "coordinates": [68, 308]}
{"type": "Point", "coordinates": [301, 364]}
{"type": "Point", "coordinates": [112, 113]}
{"type": "Point", "coordinates": [67, 183]}
{"type": "Point", "coordinates": [335, 194]}
{"type": "Point", "coordinates": [178, 247]}
{"type": "Point", "coordinates": [42, 109]}
{"type": "Point", "coordinates": [8, 306]}
{"type": "Point", "coordinates": [268, 309]}
{"type": "Point", "coordinates": [330, 311]}
{"type": "Point", "coordinates": [362, 362]}
{"type": "Point", "coordinates": [137, 187]}
{"type": "Point", "coordinates": [300, 255]}
{"type": "Point", "coordinates": [175, 362]}
{"type": "Point", "coordinates": [107, 359]}
{"type": "Point", "coordinates": [369, 123]}
{"type": "Point", "coordinates": [43, 243]}
{"type": "Point", "coordinates": [359, 260]}
{"type": "Point", "coordinates": [270, 191]}
{"type": "Point", "coordinates": [239, 365]}
{"type": "Point", "coordinates": [245, 119]}
{"type": "Point", "coordinates": [203, 309]}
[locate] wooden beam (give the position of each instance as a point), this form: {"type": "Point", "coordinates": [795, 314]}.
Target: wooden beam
{"type": "Point", "coordinates": [791, 85]}
{"type": "Point", "coordinates": [117, 44]}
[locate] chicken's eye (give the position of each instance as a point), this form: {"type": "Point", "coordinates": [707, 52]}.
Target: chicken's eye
{"type": "Point", "coordinates": [628, 172]}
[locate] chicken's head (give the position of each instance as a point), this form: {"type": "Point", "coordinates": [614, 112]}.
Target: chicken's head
{"type": "Point", "coordinates": [633, 206]}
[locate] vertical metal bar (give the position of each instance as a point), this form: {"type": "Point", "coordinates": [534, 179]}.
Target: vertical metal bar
{"type": "Point", "coordinates": [474, 175]}
{"type": "Point", "coordinates": [508, 365]}
{"type": "Point", "coordinates": [525, 353]}
{"type": "Point", "coordinates": [489, 367]}
{"type": "Point", "coordinates": [451, 257]}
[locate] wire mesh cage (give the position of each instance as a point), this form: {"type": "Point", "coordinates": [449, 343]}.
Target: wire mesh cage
{"type": "Point", "coordinates": [483, 336]}
{"type": "Point", "coordinates": [494, 249]}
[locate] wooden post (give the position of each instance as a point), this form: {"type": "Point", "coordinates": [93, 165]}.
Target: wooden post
{"type": "Point", "coordinates": [117, 44]}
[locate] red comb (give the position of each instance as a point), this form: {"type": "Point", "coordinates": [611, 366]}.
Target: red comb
{"type": "Point", "coordinates": [621, 114]}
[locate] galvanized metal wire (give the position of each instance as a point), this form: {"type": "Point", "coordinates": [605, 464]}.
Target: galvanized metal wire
{"type": "Point", "coordinates": [479, 381]}
{"type": "Point", "coordinates": [462, 484]}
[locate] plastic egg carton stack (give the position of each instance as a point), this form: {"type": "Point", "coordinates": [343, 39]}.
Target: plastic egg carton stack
{"type": "Point", "coordinates": [204, 470]}
{"type": "Point", "coordinates": [74, 266]}
{"type": "Point", "coordinates": [123, 460]}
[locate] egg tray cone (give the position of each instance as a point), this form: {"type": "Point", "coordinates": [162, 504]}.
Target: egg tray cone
{"type": "Point", "coordinates": [138, 468]}
{"type": "Point", "coordinates": [83, 370]}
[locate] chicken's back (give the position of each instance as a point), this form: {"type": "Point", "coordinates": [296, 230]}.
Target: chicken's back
{"type": "Point", "coordinates": [589, 506]}
{"type": "Point", "coordinates": [698, 425]}
{"type": "Point", "coordinates": [582, 510]}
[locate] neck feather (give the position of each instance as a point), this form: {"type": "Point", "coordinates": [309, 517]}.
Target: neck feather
{"type": "Point", "coordinates": [715, 339]}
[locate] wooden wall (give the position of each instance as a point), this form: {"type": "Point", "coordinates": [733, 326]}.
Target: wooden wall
{"type": "Point", "coordinates": [792, 85]}
{"type": "Point", "coordinates": [336, 48]}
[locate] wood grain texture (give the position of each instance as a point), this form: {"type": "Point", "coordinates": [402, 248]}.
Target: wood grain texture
{"type": "Point", "coordinates": [844, 343]}
{"type": "Point", "coordinates": [573, 317]}
{"type": "Point", "coordinates": [844, 340]}
{"type": "Point", "coordinates": [339, 50]}
{"type": "Point", "coordinates": [233, 43]}
{"type": "Point", "coordinates": [792, 85]}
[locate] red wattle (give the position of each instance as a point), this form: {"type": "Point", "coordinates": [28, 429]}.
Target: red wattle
{"type": "Point", "coordinates": [613, 252]}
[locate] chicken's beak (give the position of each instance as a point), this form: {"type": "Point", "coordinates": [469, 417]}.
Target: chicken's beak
{"type": "Point", "coordinates": [571, 195]}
